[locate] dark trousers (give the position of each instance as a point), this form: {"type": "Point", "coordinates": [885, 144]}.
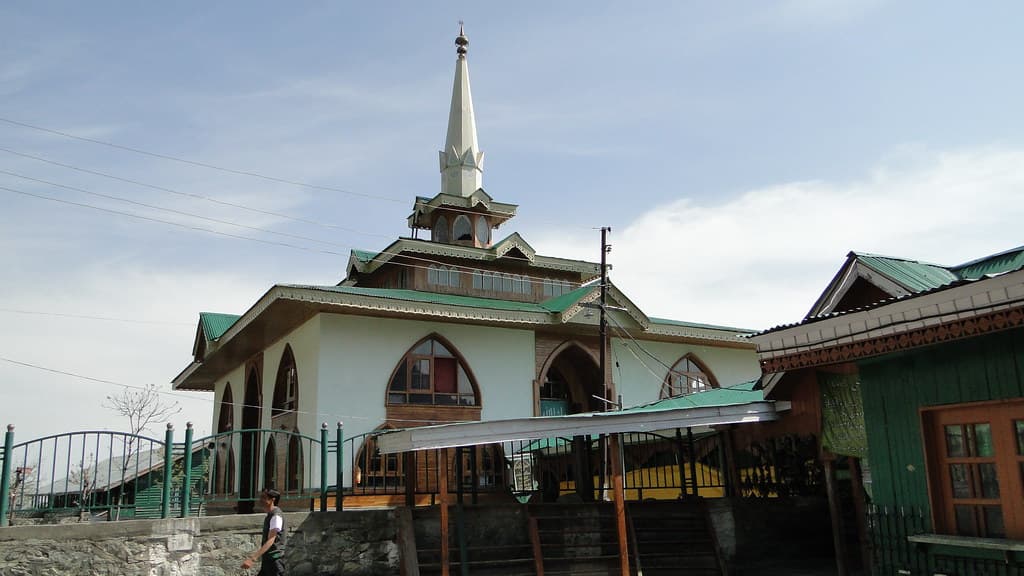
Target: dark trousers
{"type": "Point", "coordinates": [271, 567]}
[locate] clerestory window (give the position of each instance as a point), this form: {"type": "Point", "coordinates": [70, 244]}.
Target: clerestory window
{"type": "Point", "coordinates": [687, 376]}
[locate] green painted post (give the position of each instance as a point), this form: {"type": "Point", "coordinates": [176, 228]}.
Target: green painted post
{"type": "Point", "coordinates": [323, 467]}
{"type": "Point", "coordinates": [165, 498]}
{"type": "Point", "coordinates": [339, 449]}
{"type": "Point", "coordinates": [5, 475]}
{"type": "Point", "coordinates": [186, 487]}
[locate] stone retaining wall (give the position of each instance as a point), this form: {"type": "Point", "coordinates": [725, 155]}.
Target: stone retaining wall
{"type": "Point", "coordinates": [353, 542]}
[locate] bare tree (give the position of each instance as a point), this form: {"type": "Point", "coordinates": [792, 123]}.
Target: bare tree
{"type": "Point", "coordinates": [143, 407]}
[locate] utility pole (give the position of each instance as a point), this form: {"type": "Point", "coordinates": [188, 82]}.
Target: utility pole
{"type": "Point", "coordinates": [605, 249]}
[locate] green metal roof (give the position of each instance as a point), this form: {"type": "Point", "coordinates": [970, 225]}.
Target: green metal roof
{"type": "Point", "coordinates": [994, 264]}
{"type": "Point", "coordinates": [913, 275]}
{"type": "Point", "coordinates": [364, 255]}
{"type": "Point", "coordinates": [685, 324]}
{"type": "Point", "coordinates": [215, 325]}
{"type": "Point", "coordinates": [430, 297]}
{"type": "Point", "coordinates": [562, 303]}
{"type": "Point", "coordinates": [729, 396]}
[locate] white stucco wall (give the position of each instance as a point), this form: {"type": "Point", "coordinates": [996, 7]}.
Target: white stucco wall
{"type": "Point", "coordinates": [305, 343]}
{"type": "Point", "coordinates": [639, 380]}
{"type": "Point", "coordinates": [360, 353]}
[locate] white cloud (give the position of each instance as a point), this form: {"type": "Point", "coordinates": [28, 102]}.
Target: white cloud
{"type": "Point", "coordinates": [762, 258]}
{"type": "Point", "coordinates": [40, 402]}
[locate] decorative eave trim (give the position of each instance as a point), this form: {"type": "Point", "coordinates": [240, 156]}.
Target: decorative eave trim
{"type": "Point", "coordinates": [961, 311]}
{"type": "Point", "coordinates": [416, 246]}
{"type": "Point", "coordinates": [700, 333]}
{"type": "Point", "coordinates": [617, 296]}
{"type": "Point", "coordinates": [515, 241]}
{"type": "Point", "coordinates": [395, 305]}
{"type": "Point", "coordinates": [498, 210]}
{"type": "Point", "coordinates": [850, 271]}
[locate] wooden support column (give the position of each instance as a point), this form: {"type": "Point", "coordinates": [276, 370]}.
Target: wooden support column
{"type": "Point", "coordinates": [442, 470]}
{"type": "Point", "coordinates": [620, 502]}
{"type": "Point", "coordinates": [409, 468]}
{"type": "Point", "coordinates": [732, 472]}
{"type": "Point", "coordinates": [835, 513]}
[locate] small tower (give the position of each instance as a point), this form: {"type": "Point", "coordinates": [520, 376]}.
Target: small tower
{"type": "Point", "coordinates": [462, 213]}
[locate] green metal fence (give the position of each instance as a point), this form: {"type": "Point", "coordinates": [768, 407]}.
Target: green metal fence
{"type": "Point", "coordinates": [116, 475]}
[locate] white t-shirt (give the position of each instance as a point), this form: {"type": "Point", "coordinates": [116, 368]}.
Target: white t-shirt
{"type": "Point", "coordinates": [276, 522]}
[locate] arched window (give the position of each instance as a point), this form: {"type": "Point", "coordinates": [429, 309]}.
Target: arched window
{"type": "Point", "coordinates": [483, 231]}
{"type": "Point", "coordinates": [270, 465]}
{"type": "Point", "coordinates": [293, 470]}
{"type": "Point", "coordinates": [440, 232]}
{"type": "Point", "coordinates": [463, 230]}
{"type": "Point", "coordinates": [687, 376]}
{"type": "Point", "coordinates": [431, 374]}
{"type": "Point", "coordinates": [226, 418]}
{"type": "Point", "coordinates": [286, 388]}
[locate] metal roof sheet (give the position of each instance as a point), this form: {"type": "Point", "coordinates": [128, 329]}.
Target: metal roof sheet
{"type": "Point", "coordinates": [670, 322]}
{"type": "Point", "coordinates": [429, 297]}
{"type": "Point", "coordinates": [1000, 263]}
{"type": "Point", "coordinates": [731, 395]}
{"type": "Point", "coordinates": [215, 324]}
{"type": "Point", "coordinates": [913, 275]}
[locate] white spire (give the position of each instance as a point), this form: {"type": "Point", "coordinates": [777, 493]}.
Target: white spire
{"type": "Point", "coordinates": [462, 162]}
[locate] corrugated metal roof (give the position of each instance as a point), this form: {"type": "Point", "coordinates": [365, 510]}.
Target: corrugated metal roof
{"type": "Point", "coordinates": [738, 394]}
{"type": "Point", "coordinates": [215, 324]}
{"type": "Point", "coordinates": [1000, 263]}
{"type": "Point", "coordinates": [683, 323]}
{"type": "Point", "coordinates": [915, 276]}
{"type": "Point", "coordinates": [364, 255]}
{"type": "Point", "coordinates": [429, 297]}
{"type": "Point", "coordinates": [563, 302]}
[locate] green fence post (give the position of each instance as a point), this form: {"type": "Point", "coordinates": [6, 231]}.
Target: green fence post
{"type": "Point", "coordinates": [186, 487]}
{"type": "Point", "coordinates": [5, 475]}
{"type": "Point", "coordinates": [339, 450]}
{"type": "Point", "coordinates": [165, 498]}
{"type": "Point", "coordinates": [323, 467]}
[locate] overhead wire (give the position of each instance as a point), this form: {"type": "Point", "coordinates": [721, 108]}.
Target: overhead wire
{"type": "Point", "coordinates": [429, 261]}
{"type": "Point", "coordinates": [204, 165]}
{"type": "Point", "coordinates": [90, 317]}
{"type": "Point", "coordinates": [179, 395]}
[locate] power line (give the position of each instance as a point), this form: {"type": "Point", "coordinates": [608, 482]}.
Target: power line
{"type": "Point", "coordinates": [201, 164]}
{"type": "Point", "coordinates": [460, 267]}
{"type": "Point", "coordinates": [170, 210]}
{"type": "Point", "coordinates": [328, 415]}
{"type": "Point", "coordinates": [191, 194]}
{"type": "Point", "coordinates": [89, 317]}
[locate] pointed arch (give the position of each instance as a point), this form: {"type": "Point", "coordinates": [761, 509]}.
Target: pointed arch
{"type": "Point", "coordinates": [226, 417]}
{"type": "Point", "coordinates": [270, 464]}
{"type": "Point", "coordinates": [462, 229]}
{"type": "Point", "coordinates": [252, 409]}
{"type": "Point", "coordinates": [440, 231]}
{"type": "Point", "coordinates": [286, 385]}
{"type": "Point", "coordinates": [689, 375]}
{"type": "Point", "coordinates": [433, 373]}
{"type": "Point", "coordinates": [293, 465]}
{"type": "Point", "coordinates": [569, 380]}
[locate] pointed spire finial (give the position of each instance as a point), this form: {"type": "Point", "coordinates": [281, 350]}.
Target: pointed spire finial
{"type": "Point", "coordinates": [461, 41]}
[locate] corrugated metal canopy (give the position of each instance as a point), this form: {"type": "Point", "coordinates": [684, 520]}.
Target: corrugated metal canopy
{"type": "Point", "coordinates": [537, 428]}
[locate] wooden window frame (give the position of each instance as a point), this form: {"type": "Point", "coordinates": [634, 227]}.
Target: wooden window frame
{"type": "Point", "coordinates": [668, 387]}
{"type": "Point", "coordinates": [411, 357]}
{"type": "Point", "coordinates": [1007, 456]}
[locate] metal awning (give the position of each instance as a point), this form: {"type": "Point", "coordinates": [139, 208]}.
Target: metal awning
{"type": "Point", "coordinates": [493, 431]}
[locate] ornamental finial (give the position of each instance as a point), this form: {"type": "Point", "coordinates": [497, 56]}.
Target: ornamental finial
{"type": "Point", "coordinates": [461, 41]}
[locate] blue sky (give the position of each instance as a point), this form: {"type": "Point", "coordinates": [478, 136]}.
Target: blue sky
{"type": "Point", "coordinates": [738, 150]}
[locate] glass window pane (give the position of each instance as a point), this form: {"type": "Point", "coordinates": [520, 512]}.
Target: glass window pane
{"type": "Point", "coordinates": [446, 399]}
{"type": "Point", "coordinates": [432, 275]}
{"type": "Point", "coordinates": [488, 282]}
{"type": "Point", "coordinates": [462, 230]}
{"type": "Point", "coordinates": [398, 382]}
{"type": "Point", "coordinates": [440, 350]}
{"type": "Point", "coordinates": [464, 385]}
{"type": "Point", "coordinates": [994, 527]}
{"type": "Point", "coordinates": [506, 283]}
{"type": "Point", "coordinates": [965, 521]}
{"type": "Point", "coordinates": [483, 230]}
{"type": "Point", "coordinates": [478, 280]}
{"type": "Point", "coordinates": [989, 481]}
{"type": "Point", "coordinates": [421, 375]}
{"type": "Point", "coordinates": [396, 398]}
{"type": "Point", "coordinates": [983, 440]}
{"type": "Point", "coordinates": [454, 279]}
{"type": "Point", "coordinates": [955, 441]}
{"type": "Point", "coordinates": [423, 349]}
{"type": "Point", "coordinates": [1019, 425]}
{"type": "Point", "coordinates": [958, 478]}
{"type": "Point", "coordinates": [421, 398]}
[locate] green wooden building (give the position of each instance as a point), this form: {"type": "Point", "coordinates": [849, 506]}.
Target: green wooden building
{"type": "Point", "coordinates": [918, 372]}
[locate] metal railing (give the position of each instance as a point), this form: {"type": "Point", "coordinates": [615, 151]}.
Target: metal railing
{"type": "Point", "coordinates": [116, 475]}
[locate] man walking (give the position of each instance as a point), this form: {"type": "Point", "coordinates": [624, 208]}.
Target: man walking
{"type": "Point", "coordinates": [272, 550]}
